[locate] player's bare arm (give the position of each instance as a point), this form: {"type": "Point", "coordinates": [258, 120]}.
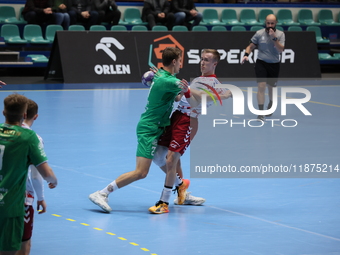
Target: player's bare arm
{"type": "Point", "coordinates": [2, 84]}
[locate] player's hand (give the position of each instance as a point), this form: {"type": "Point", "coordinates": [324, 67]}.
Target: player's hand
{"type": "Point", "coordinates": [226, 95]}
{"type": "Point", "coordinates": [52, 185]}
{"type": "Point", "coordinates": [1, 84]}
{"type": "Point", "coordinates": [245, 58]}
{"type": "Point", "coordinates": [184, 85]}
{"type": "Point", "coordinates": [41, 205]}
{"type": "Point", "coordinates": [154, 69]}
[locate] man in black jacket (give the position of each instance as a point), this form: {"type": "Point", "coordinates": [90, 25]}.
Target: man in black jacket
{"type": "Point", "coordinates": [185, 11]}
{"type": "Point", "coordinates": [158, 11]}
{"type": "Point", "coordinates": [83, 12]}
{"type": "Point", "coordinates": [108, 11]}
{"type": "Point", "coordinates": [38, 12]}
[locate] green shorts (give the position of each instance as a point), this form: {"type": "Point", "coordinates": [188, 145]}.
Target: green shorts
{"type": "Point", "coordinates": [147, 136]}
{"type": "Point", "coordinates": [11, 231]}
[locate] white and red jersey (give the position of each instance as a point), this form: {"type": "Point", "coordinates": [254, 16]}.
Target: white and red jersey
{"type": "Point", "coordinates": [202, 82]}
{"type": "Point", "coordinates": [34, 180]}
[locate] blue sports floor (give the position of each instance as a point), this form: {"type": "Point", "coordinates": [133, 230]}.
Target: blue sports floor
{"type": "Point", "coordinates": [89, 135]}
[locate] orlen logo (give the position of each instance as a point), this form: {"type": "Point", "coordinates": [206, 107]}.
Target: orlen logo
{"type": "Point", "coordinates": [105, 45]}
{"type": "Point", "coordinates": [156, 49]}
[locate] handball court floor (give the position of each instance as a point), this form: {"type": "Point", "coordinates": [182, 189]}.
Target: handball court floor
{"type": "Point", "coordinates": [89, 135]}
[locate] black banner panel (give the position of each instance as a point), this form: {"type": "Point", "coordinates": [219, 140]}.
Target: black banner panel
{"type": "Point", "coordinates": [114, 56]}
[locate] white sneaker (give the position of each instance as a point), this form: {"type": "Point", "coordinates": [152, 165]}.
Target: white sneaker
{"type": "Point", "coordinates": [191, 200]}
{"type": "Point", "coordinates": [101, 200]}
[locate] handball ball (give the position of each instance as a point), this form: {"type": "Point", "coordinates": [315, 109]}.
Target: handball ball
{"type": "Point", "coordinates": [147, 78]}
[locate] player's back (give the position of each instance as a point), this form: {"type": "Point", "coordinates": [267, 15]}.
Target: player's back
{"type": "Point", "coordinates": [15, 147]}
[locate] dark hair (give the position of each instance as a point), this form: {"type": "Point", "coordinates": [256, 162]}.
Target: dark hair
{"type": "Point", "coordinates": [169, 54]}
{"type": "Point", "coordinates": [15, 106]}
{"type": "Point", "coordinates": [32, 109]}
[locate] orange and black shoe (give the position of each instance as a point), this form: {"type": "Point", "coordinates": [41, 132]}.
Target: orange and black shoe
{"type": "Point", "coordinates": [182, 191]}
{"type": "Point", "coordinates": [159, 207]}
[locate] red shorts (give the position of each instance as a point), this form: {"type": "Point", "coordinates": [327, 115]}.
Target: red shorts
{"type": "Point", "coordinates": [28, 223]}
{"type": "Point", "coordinates": [181, 131]}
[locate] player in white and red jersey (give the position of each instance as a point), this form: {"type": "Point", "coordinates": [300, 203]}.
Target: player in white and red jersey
{"type": "Point", "coordinates": [184, 126]}
{"type": "Point", "coordinates": [34, 183]}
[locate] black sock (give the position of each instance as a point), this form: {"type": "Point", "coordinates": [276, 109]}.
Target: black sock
{"type": "Point", "coordinates": [260, 106]}
{"type": "Point", "coordinates": [270, 104]}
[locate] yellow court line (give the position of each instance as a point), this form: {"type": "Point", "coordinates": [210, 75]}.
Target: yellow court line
{"type": "Point", "coordinates": [314, 102]}
{"type": "Point", "coordinates": [109, 233]}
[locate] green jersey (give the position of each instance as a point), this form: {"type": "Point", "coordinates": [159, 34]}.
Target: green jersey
{"type": "Point", "coordinates": [161, 97]}
{"type": "Point", "coordinates": [19, 147]}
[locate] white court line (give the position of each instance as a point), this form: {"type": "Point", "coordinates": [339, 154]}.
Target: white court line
{"type": "Point", "coordinates": [210, 206]}
{"type": "Point", "coordinates": [274, 223]}
{"type": "Point", "coordinates": [102, 178]}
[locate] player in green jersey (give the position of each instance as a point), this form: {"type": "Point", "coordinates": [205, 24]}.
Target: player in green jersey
{"type": "Point", "coordinates": [165, 89]}
{"type": "Point", "coordinates": [19, 147]}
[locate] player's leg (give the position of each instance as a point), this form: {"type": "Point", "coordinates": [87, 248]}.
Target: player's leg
{"type": "Point", "coordinates": [25, 248]}
{"type": "Point", "coordinates": [189, 199]}
{"type": "Point", "coordinates": [28, 229]}
{"type": "Point", "coordinates": [171, 165]}
{"type": "Point", "coordinates": [273, 74]}
{"type": "Point", "coordinates": [141, 171]}
{"type": "Point", "coordinates": [11, 230]}
{"type": "Point", "coordinates": [177, 138]}
{"type": "Point", "coordinates": [261, 75]}
{"type": "Point", "coordinates": [100, 198]}
{"type": "Point", "coordinates": [147, 143]}
{"type": "Point", "coordinates": [261, 88]}
{"type": "Point", "coordinates": [179, 141]}
{"type": "Point", "coordinates": [270, 95]}
{"type": "Point", "coordinates": [163, 145]}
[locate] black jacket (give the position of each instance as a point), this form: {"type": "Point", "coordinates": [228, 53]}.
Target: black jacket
{"type": "Point", "coordinates": [149, 7]}
{"type": "Point", "coordinates": [182, 6]}
{"type": "Point", "coordinates": [104, 5]}
{"type": "Point", "coordinates": [36, 5]}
